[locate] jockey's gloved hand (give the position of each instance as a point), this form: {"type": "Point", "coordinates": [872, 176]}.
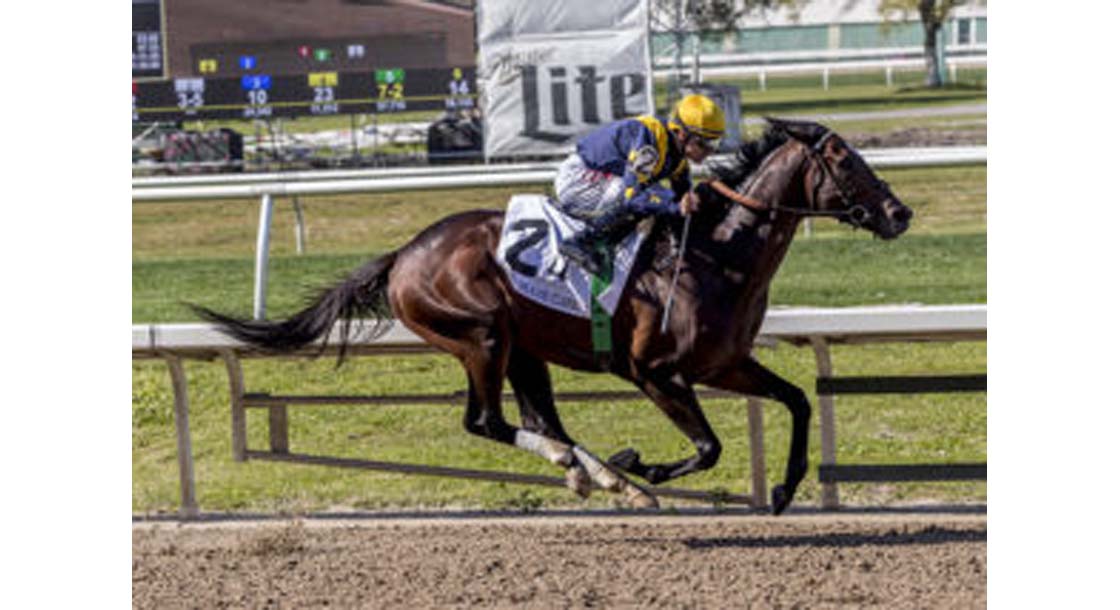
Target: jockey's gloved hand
{"type": "Point", "coordinates": [654, 199]}
{"type": "Point", "coordinates": [690, 202]}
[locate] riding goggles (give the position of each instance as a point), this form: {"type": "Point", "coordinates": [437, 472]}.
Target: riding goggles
{"type": "Point", "coordinates": [707, 142]}
{"type": "Point", "coordinates": [711, 144]}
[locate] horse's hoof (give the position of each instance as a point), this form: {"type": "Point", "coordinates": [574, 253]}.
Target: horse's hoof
{"type": "Point", "coordinates": [641, 499]}
{"type": "Point", "coordinates": [625, 460]}
{"type": "Point", "coordinates": [578, 481]}
{"type": "Point", "coordinates": [779, 499]}
{"type": "Point", "coordinates": [656, 474]}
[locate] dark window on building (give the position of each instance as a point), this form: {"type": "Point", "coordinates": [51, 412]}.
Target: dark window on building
{"type": "Point", "coordinates": [964, 31]}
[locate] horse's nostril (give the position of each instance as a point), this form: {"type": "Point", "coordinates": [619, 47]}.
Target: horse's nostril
{"type": "Point", "coordinates": [899, 214]}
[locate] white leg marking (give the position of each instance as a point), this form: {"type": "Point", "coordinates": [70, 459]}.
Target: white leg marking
{"type": "Point", "coordinates": [608, 479]}
{"type": "Point", "coordinates": [578, 480]}
{"type": "Point", "coordinates": [560, 454]}
{"type": "Point", "coordinates": [554, 451]}
{"type": "Point", "coordinates": [603, 476]}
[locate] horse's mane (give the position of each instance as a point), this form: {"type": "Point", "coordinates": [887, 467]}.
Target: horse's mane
{"type": "Point", "coordinates": [754, 152]}
{"type": "Point", "coordinates": [778, 132]}
{"type": "Point", "coordinates": [805, 131]}
{"type": "Point", "coordinates": [750, 156]}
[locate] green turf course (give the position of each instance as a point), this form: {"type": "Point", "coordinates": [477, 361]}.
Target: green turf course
{"type": "Point", "coordinates": [203, 252]}
{"type": "Point", "coordinates": [821, 272]}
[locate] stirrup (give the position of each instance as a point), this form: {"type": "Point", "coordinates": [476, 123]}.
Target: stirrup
{"type": "Point", "coordinates": [582, 257]}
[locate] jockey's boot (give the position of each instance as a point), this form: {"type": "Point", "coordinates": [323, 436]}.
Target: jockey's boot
{"type": "Point", "coordinates": [586, 247]}
{"type": "Point", "coordinates": [582, 249]}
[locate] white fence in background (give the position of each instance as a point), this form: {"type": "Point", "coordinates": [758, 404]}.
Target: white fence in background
{"type": "Point", "coordinates": [825, 63]}
{"type": "Point", "coordinates": [388, 180]}
{"type": "Point", "coordinates": [814, 327]}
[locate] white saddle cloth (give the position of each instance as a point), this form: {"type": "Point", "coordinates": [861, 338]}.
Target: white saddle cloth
{"type": "Point", "coordinates": [528, 252]}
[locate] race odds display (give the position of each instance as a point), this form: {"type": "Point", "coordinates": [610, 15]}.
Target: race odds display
{"type": "Point", "coordinates": [261, 95]}
{"type": "Point", "coordinates": [210, 59]}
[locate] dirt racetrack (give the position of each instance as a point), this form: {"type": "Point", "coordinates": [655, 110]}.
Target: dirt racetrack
{"type": "Point", "coordinates": [703, 560]}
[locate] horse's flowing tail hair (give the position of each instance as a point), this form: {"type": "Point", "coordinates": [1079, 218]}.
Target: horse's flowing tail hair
{"type": "Point", "coordinates": [363, 292]}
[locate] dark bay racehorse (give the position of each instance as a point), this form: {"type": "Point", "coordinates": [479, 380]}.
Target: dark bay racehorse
{"type": "Point", "coordinates": [446, 286]}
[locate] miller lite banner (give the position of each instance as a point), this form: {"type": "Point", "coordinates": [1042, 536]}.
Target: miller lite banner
{"type": "Point", "coordinates": [550, 72]}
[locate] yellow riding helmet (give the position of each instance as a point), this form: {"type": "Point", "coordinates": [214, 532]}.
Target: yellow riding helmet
{"type": "Point", "coordinates": [698, 114]}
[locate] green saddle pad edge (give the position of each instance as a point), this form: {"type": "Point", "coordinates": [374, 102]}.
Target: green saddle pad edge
{"type": "Point", "coordinates": [600, 319]}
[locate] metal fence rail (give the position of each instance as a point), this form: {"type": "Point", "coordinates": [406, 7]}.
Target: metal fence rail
{"type": "Point", "coordinates": [164, 188]}
{"type": "Point", "coordinates": [816, 327]}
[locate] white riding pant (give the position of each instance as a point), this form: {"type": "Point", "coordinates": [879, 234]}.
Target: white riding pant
{"type": "Point", "coordinates": [585, 193]}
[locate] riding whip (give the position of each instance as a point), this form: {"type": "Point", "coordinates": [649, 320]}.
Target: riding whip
{"type": "Point", "coordinates": [676, 274]}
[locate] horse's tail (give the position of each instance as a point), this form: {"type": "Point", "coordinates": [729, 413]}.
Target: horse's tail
{"type": "Point", "coordinates": [362, 292]}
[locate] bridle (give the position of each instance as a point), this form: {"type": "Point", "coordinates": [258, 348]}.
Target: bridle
{"type": "Point", "coordinates": [855, 214]}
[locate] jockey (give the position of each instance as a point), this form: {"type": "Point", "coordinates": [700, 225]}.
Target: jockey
{"type": "Point", "coordinates": [613, 179]}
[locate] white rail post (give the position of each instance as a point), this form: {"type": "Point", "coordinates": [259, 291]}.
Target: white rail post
{"type": "Point", "coordinates": [187, 500]}
{"type": "Point", "coordinates": [762, 80]}
{"type": "Point", "coordinates": [301, 231]}
{"type": "Point", "coordinates": [260, 281]}
{"type": "Point", "coordinates": [758, 453]}
{"type": "Point", "coordinates": [824, 78]}
{"type": "Point", "coordinates": [237, 405]}
{"type": "Point", "coordinates": [890, 76]}
{"type": "Point", "coordinates": [830, 498]}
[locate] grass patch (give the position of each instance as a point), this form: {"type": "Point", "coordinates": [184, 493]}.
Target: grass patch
{"type": "Point", "coordinates": [955, 125]}
{"type": "Point", "coordinates": [923, 269]}
{"type": "Point", "coordinates": [203, 251]}
{"type": "Point", "coordinates": [871, 429]}
{"type": "Point", "coordinates": [945, 200]}
{"type": "Point", "coordinates": [818, 271]}
{"type": "Point", "coordinates": [336, 224]}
